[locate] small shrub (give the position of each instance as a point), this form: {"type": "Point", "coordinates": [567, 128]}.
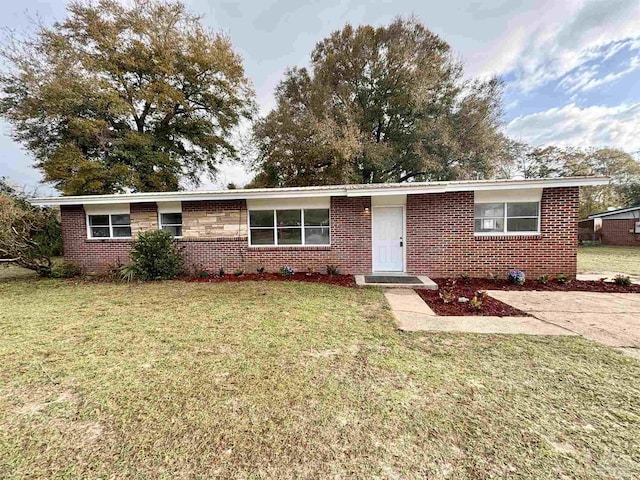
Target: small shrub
{"type": "Point", "coordinates": [260, 270]}
{"type": "Point", "coordinates": [465, 277]}
{"type": "Point", "coordinates": [127, 273]}
{"type": "Point", "coordinates": [332, 270]}
{"type": "Point", "coordinates": [238, 272]}
{"type": "Point", "coordinates": [203, 274]}
{"type": "Point", "coordinates": [66, 270]}
{"type": "Point", "coordinates": [476, 303]}
{"type": "Point", "coordinates": [286, 271]}
{"type": "Point", "coordinates": [155, 256]}
{"type": "Point", "coordinates": [310, 271]}
{"type": "Point", "coordinates": [446, 292]}
{"type": "Point", "coordinates": [622, 280]}
{"type": "Point", "coordinates": [517, 277]}
{"type": "Point", "coordinates": [543, 279]}
{"type": "Point", "coordinates": [221, 272]}
{"type": "Point", "coordinates": [563, 278]}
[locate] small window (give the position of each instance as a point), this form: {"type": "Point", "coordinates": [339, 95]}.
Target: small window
{"type": "Point", "coordinates": [110, 226]}
{"type": "Point", "coordinates": [289, 227]}
{"type": "Point", "coordinates": [507, 217]}
{"type": "Point", "coordinates": [172, 223]}
{"type": "Point", "coordinates": [316, 227]}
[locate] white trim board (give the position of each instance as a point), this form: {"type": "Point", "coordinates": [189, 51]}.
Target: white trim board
{"type": "Point", "coordinates": [371, 190]}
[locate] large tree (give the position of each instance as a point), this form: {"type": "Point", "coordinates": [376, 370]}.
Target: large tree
{"type": "Point", "coordinates": [125, 97]}
{"type": "Point", "coordinates": [379, 105]}
{"type": "Point", "coordinates": [553, 161]}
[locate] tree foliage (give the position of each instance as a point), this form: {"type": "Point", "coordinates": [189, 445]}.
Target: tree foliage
{"type": "Point", "coordinates": [553, 161]}
{"type": "Point", "coordinates": [29, 236]}
{"type": "Point", "coordinates": [115, 97]}
{"type": "Point", "coordinates": [379, 105]}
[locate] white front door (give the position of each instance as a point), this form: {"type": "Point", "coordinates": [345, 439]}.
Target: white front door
{"type": "Point", "coordinates": [388, 241]}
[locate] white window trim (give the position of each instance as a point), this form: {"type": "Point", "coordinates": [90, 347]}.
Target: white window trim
{"type": "Point", "coordinates": [275, 228]}
{"type": "Point", "coordinates": [110, 237]}
{"type": "Point", "coordinates": [506, 233]}
{"type": "Point", "coordinates": [160, 224]}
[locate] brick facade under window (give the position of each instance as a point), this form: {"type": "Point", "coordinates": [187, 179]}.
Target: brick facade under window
{"type": "Point", "coordinates": [619, 232]}
{"type": "Point", "coordinates": [440, 240]}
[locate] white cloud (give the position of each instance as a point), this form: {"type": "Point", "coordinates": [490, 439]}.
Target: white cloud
{"type": "Point", "coordinates": [587, 78]}
{"type": "Point", "coordinates": [548, 42]}
{"type": "Point", "coordinates": [571, 125]}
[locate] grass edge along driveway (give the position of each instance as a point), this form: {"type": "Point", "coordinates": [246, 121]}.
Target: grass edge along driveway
{"type": "Point", "coordinates": [286, 380]}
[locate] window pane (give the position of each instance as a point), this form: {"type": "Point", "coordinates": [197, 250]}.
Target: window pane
{"type": "Point", "coordinates": [120, 220]}
{"type": "Point", "coordinates": [522, 209]}
{"type": "Point", "coordinates": [261, 237]}
{"type": "Point", "coordinates": [174, 230]}
{"type": "Point", "coordinates": [99, 220]}
{"type": "Point", "coordinates": [261, 218]}
{"type": "Point", "coordinates": [316, 235]}
{"type": "Point", "coordinates": [100, 232]}
{"type": "Point", "coordinates": [289, 218]}
{"type": "Point", "coordinates": [316, 217]}
{"type": "Point", "coordinates": [489, 225]}
{"type": "Point", "coordinates": [289, 236]}
{"type": "Point", "coordinates": [171, 219]}
{"type": "Point", "coordinates": [120, 232]}
{"type": "Point", "coordinates": [522, 224]}
{"type": "Point", "coordinates": [489, 210]}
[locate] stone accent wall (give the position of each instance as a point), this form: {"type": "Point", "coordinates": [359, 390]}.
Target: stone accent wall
{"type": "Point", "coordinates": [214, 219]}
{"type": "Point", "coordinates": [441, 241]}
{"type": "Point", "coordinates": [619, 232]}
{"type": "Point", "coordinates": [144, 216]}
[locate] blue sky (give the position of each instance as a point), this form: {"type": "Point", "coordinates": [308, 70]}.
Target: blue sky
{"type": "Point", "coordinates": [571, 67]}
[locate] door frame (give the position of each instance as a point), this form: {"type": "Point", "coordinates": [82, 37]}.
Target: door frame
{"type": "Point", "coordinates": [404, 238]}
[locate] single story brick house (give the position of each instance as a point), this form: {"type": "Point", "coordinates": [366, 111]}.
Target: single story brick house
{"type": "Point", "coordinates": [439, 229]}
{"type": "Point", "coordinates": [619, 227]}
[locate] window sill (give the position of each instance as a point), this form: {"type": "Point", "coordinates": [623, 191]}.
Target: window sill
{"type": "Point", "coordinates": [112, 239]}
{"type": "Point", "coordinates": [507, 236]}
{"type": "Point", "coordinates": [263, 248]}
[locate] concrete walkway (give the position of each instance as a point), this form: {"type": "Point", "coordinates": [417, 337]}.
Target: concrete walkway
{"type": "Point", "coordinates": [413, 314]}
{"type": "Point", "coordinates": [609, 318]}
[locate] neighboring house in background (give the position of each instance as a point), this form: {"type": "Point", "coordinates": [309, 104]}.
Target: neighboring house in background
{"type": "Point", "coordinates": [440, 229]}
{"type": "Point", "coordinates": [620, 226]}
{"type": "Point", "coordinates": [589, 230]}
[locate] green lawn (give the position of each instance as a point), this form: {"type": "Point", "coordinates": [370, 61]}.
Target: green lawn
{"type": "Point", "coordinates": [604, 259]}
{"type": "Point", "coordinates": [286, 380]}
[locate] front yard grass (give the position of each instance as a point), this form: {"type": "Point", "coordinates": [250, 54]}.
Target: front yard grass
{"type": "Point", "coordinates": [291, 380]}
{"type": "Point", "coordinates": [605, 259]}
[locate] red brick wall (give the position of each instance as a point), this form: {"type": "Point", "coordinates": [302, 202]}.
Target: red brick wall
{"type": "Point", "coordinates": [441, 243]}
{"type": "Point", "coordinates": [350, 243]}
{"type": "Point", "coordinates": [619, 232]}
{"type": "Point", "coordinates": [440, 240]}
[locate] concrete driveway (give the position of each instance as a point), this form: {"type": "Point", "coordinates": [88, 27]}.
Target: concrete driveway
{"type": "Point", "coordinates": [609, 318]}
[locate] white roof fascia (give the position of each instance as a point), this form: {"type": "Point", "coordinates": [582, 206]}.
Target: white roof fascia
{"type": "Point", "coordinates": [182, 197]}
{"type": "Point", "coordinates": [465, 186]}
{"type": "Point", "coordinates": [614, 212]}
{"type": "Point", "coordinates": [329, 191]}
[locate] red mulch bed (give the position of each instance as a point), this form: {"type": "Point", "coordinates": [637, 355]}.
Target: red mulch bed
{"type": "Point", "coordinates": [341, 280]}
{"type": "Point", "coordinates": [492, 307]}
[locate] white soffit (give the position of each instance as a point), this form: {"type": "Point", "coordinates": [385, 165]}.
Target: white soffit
{"type": "Point", "coordinates": [388, 200]}
{"type": "Point", "coordinates": [288, 203]}
{"type": "Point", "coordinates": [521, 195]}
{"type": "Point", "coordinates": [169, 207]}
{"type": "Point", "coordinates": [107, 209]}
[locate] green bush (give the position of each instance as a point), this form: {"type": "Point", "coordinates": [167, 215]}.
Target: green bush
{"type": "Point", "coordinates": [155, 256]}
{"type": "Point", "coordinates": [66, 270]}
{"type": "Point", "coordinates": [622, 280]}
